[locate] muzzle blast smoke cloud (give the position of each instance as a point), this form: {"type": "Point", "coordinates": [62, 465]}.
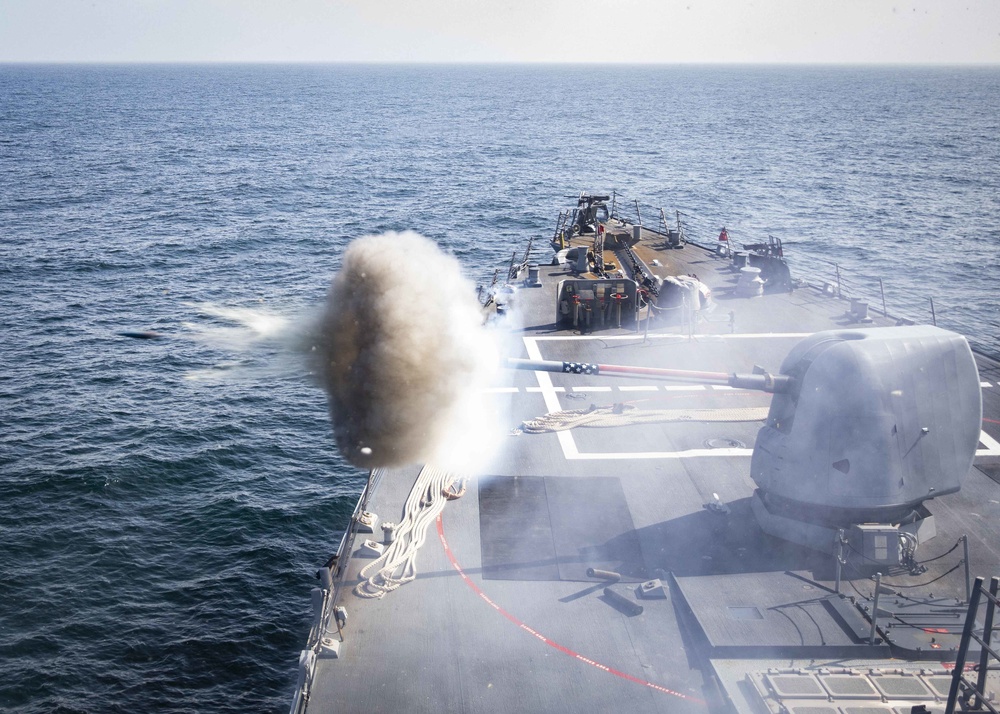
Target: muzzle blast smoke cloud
{"type": "Point", "coordinates": [400, 349]}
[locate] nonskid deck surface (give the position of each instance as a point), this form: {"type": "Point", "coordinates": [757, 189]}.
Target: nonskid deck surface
{"type": "Point", "coordinates": [502, 615]}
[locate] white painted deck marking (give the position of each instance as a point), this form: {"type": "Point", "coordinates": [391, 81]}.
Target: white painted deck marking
{"type": "Point", "coordinates": [991, 444]}
{"type": "Point", "coordinates": [549, 393]}
{"type": "Point", "coordinates": [627, 388]}
{"type": "Point", "coordinates": [690, 453]}
{"type": "Point", "coordinates": [551, 400]}
{"type": "Point", "coordinates": [661, 336]}
{"type": "Point", "coordinates": [621, 388]}
{"type": "Point", "coordinates": [697, 387]}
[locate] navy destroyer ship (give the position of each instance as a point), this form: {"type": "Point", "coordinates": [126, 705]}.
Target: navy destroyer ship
{"type": "Point", "coordinates": [727, 488]}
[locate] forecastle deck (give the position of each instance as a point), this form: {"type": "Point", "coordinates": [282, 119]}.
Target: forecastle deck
{"type": "Point", "coordinates": [502, 616]}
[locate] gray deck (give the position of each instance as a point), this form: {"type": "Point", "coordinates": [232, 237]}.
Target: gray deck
{"type": "Point", "coordinates": [526, 631]}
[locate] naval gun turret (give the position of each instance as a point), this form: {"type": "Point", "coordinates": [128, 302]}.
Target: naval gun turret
{"type": "Point", "coordinates": [864, 427]}
{"type": "Point", "coordinates": [877, 422]}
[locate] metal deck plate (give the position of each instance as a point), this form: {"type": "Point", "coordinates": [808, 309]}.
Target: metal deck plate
{"type": "Point", "coordinates": [515, 530]}
{"type": "Point", "coordinates": [796, 685]}
{"type": "Point", "coordinates": [898, 687]}
{"type": "Point", "coordinates": [555, 528]}
{"type": "Point", "coordinates": [847, 686]}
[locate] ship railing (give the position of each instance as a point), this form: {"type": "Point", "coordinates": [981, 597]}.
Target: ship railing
{"type": "Point", "coordinates": [906, 306]}
{"type": "Point", "coordinates": [656, 219]}
{"type": "Point", "coordinates": [325, 599]}
{"type": "Point", "coordinates": [487, 294]}
{"type": "Point", "coordinates": [879, 294]}
{"type": "Point", "coordinates": [970, 684]}
{"type": "Point", "coordinates": [516, 268]}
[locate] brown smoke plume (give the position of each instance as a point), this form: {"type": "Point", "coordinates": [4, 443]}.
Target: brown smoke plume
{"type": "Point", "coordinates": [401, 346]}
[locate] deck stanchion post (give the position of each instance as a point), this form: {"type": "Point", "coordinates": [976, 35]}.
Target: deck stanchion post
{"type": "Point", "coordinates": [685, 318]}
{"type": "Point", "coordinates": [984, 656]}
{"type": "Point", "coordinates": [878, 588]}
{"type": "Point", "coordinates": [968, 571]}
{"type": "Point", "coordinates": [963, 647]}
{"type": "Point", "coordinates": [881, 289]}
{"type": "Point", "coordinates": [637, 214]}
{"type": "Point", "coordinates": [840, 558]}
{"type": "Point", "coordinates": [933, 315]}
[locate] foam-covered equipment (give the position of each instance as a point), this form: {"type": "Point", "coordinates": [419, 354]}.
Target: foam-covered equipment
{"type": "Point", "coordinates": [877, 422]}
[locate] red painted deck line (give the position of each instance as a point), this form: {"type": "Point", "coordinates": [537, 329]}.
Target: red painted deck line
{"type": "Point", "coordinates": [538, 635]}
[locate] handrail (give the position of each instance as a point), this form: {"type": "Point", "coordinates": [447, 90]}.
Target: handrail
{"type": "Point", "coordinates": [331, 596]}
{"type": "Point", "coordinates": [960, 684]}
{"type": "Point", "coordinates": [883, 294]}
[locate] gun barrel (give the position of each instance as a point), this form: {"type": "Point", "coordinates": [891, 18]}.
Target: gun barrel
{"type": "Point", "coordinates": [759, 382]}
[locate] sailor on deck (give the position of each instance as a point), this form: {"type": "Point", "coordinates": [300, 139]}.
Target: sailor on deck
{"type": "Point", "coordinates": [722, 247]}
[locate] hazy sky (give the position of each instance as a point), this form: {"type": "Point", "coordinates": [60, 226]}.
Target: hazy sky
{"type": "Point", "coordinates": [860, 31]}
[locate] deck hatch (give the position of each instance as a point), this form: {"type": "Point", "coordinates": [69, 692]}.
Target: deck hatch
{"type": "Point", "coordinates": [554, 528]}
{"type": "Point", "coordinates": [940, 684]}
{"type": "Point", "coordinates": [898, 687]}
{"type": "Point", "coordinates": [849, 686]}
{"type": "Point", "coordinates": [799, 686]}
{"type": "Point", "coordinates": [514, 529]}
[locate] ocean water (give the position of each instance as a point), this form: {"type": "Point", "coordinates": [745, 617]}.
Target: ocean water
{"type": "Point", "coordinates": [164, 504]}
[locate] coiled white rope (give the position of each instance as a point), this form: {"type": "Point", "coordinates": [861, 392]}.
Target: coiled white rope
{"type": "Point", "coordinates": [627, 414]}
{"type": "Point", "coordinates": [432, 489]}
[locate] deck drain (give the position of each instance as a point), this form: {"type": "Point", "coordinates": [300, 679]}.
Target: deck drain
{"type": "Point", "coordinates": [723, 443]}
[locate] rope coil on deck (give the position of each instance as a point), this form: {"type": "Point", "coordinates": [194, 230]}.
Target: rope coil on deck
{"type": "Point", "coordinates": [626, 414]}
{"type": "Point", "coordinates": [431, 491]}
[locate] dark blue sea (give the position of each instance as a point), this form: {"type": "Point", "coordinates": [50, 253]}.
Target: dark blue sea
{"type": "Point", "coordinates": [165, 504]}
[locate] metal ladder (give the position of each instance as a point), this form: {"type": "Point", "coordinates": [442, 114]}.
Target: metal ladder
{"type": "Point", "coordinates": [963, 688]}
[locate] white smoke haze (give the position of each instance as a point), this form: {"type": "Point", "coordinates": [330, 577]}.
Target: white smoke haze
{"type": "Point", "coordinates": [250, 335]}
{"type": "Point", "coordinates": [404, 357]}
{"type": "Point", "coordinates": [246, 328]}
